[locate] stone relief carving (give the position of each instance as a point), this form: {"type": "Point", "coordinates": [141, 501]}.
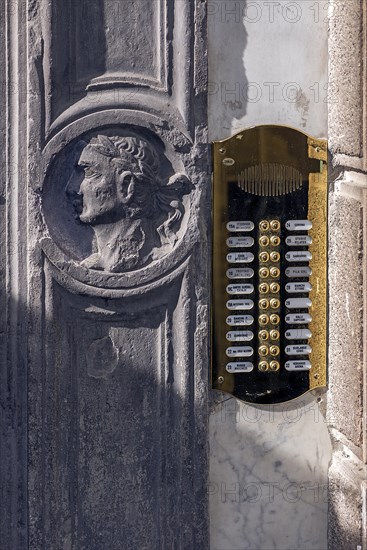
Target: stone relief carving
{"type": "Point", "coordinates": [134, 215]}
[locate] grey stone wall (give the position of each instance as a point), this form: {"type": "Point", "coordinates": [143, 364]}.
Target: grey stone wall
{"type": "Point", "coordinates": [104, 331]}
{"type": "Point", "coordinates": [347, 276]}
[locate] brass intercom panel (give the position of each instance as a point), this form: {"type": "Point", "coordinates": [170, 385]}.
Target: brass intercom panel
{"type": "Point", "coordinates": [269, 264]}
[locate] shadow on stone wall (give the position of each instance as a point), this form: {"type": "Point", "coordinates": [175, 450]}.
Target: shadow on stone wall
{"type": "Point", "coordinates": [228, 84]}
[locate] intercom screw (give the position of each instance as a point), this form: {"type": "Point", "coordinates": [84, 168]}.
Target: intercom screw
{"type": "Point", "coordinates": [263, 366]}
{"type": "Point", "coordinates": [264, 257]}
{"type": "Point", "coordinates": [275, 319]}
{"type": "Point", "coordinates": [274, 366]}
{"type": "Point", "coordinates": [263, 351]}
{"type": "Point", "coordinates": [275, 288]}
{"type": "Point", "coordinates": [263, 304]}
{"type": "Point", "coordinates": [275, 241]}
{"type": "Point", "coordinates": [274, 351]}
{"type": "Point", "coordinates": [263, 335]}
{"type": "Point", "coordinates": [263, 320]}
{"type": "Point", "coordinates": [264, 272]}
{"type": "Point", "coordinates": [222, 150]}
{"type": "Point", "coordinates": [264, 288]}
{"type": "Point", "coordinates": [220, 380]}
{"type": "Point", "coordinates": [264, 241]}
{"type": "Point", "coordinates": [275, 256]}
{"type": "Point", "coordinates": [264, 225]}
{"type": "Point", "coordinates": [275, 225]}
{"type": "Point", "coordinates": [274, 272]}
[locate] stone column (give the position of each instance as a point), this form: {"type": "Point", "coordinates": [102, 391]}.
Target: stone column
{"type": "Point", "coordinates": [107, 192]}
{"type": "Point", "coordinates": [347, 277]}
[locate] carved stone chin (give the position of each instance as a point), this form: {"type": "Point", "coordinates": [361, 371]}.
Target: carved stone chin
{"type": "Point", "coordinates": [135, 216]}
{"type": "Point", "coordinates": [120, 246]}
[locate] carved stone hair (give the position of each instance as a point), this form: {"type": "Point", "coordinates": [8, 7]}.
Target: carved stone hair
{"type": "Point", "coordinates": [150, 198]}
{"type": "Point", "coordinates": [133, 152]}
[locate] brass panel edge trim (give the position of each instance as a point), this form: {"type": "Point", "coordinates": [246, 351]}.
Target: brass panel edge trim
{"type": "Point", "coordinates": [317, 211]}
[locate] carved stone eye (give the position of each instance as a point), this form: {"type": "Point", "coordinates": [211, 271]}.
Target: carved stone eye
{"type": "Point", "coordinates": [91, 174]}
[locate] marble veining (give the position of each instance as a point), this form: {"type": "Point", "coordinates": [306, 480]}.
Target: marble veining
{"type": "Point", "coordinates": [268, 476]}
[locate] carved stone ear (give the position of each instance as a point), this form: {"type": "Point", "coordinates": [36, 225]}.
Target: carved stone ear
{"type": "Point", "coordinates": [126, 186]}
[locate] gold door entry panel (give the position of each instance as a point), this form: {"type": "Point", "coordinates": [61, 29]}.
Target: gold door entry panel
{"type": "Point", "coordinates": [269, 264]}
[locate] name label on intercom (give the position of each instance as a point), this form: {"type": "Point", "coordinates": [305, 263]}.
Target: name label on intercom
{"type": "Point", "coordinates": [269, 323]}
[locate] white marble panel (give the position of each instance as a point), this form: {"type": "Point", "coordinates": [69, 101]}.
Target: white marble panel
{"type": "Point", "coordinates": [268, 484]}
{"type": "Point", "coordinates": [268, 65]}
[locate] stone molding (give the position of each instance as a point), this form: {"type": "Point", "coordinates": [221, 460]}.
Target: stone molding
{"type": "Point", "coordinates": [101, 349]}
{"type": "Point", "coordinates": [347, 399]}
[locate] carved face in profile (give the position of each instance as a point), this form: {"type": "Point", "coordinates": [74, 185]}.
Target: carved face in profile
{"type": "Point", "coordinates": [131, 211]}
{"type": "Point", "coordinates": [107, 187]}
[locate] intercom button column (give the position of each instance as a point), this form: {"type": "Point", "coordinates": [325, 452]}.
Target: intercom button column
{"type": "Point", "coordinates": [239, 367]}
{"type": "Point", "coordinates": [269, 302]}
{"type": "Point", "coordinates": [298, 365]}
{"type": "Point", "coordinates": [238, 226]}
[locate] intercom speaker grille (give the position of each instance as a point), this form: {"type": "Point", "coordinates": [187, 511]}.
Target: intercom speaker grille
{"type": "Point", "coordinates": [270, 179]}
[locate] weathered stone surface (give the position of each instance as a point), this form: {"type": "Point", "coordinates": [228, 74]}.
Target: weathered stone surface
{"type": "Point", "coordinates": [346, 399]}
{"type": "Point", "coordinates": [346, 60]}
{"type": "Point", "coordinates": [345, 502]}
{"type": "Point", "coordinates": [346, 315]}
{"type": "Point", "coordinates": [106, 277]}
